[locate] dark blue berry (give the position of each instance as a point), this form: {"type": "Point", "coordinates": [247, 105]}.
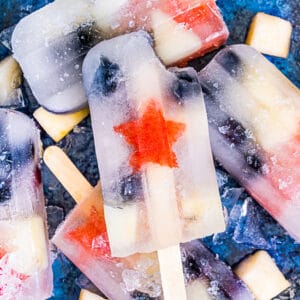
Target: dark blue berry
{"type": "Point", "coordinates": [106, 78]}
{"type": "Point", "coordinates": [23, 154]}
{"type": "Point", "coordinates": [131, 187]}
{"type": "Point", "coordinates": [253, 161]}
{"type": "Point", "coordinates": [137, 295]}
{"type": "Point", "coordinates": [233, 131]}
{"type": "Point", "coordinates": [185, 86]}
{"type": "Point", "coordinates": [230, 62]}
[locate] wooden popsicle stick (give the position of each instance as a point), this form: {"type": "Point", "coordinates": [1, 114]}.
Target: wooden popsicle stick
{"type": "Point", "coordinates": [67, 173]}
{"type": "Point", "coordinates": [76, 184]}
{"type": "Point", "coordinates": [171, 272]}
{"type": "Point", "coordinates": [58, 126]}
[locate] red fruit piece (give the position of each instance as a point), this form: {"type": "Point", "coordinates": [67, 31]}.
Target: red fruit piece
{"type": "Point", "coordinates": [152, 138]}
{"type": "Point", "coordinates": [92, 234]}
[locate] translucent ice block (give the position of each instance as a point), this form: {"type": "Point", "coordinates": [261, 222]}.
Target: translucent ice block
{"type": "Point", "coordinates": [25, 269]}
{"type": "Point", "coordinates": [83, 239]}
{"type": "Point", "coordinates": [50, 43]}
{"type": "Point", "coordinates": [152, 145]}
{"type": "Point", "coordinates": [254, 119]}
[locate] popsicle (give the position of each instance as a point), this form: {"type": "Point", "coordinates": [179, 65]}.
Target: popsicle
{"type": "Point", "coordinates": [206, 277]}
{"type": "Point", "coordinates": [25, 268]}
{"type": "Point", "coordinates": [151, 137]}
{"type": "Point", "coordinates": [83, 239]}
{"type": "Point", "coordinates": [50, 43]}
{"type": "Point", "coordinates": [254, 118]}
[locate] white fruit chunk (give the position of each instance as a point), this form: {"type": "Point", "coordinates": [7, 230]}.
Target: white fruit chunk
{"type": "Point", "coordinates": [262, 276]}
{"type": "Point", "coordinates": [10, 79]}
{"type": "Point", "coordinates": [172, 40]}
{"type": "Point", "coordinates": [270, 35]}
{"type": "Point", "coordinates": [87, 295]}
{"type": "Point", "coordinates": [198, 289]}
{"type": "Point", "coordinates": [30, 246]}
{"type": "Point", "coordinates": [125, 218]}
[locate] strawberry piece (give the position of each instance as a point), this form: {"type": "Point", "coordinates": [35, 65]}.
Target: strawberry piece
{"type": "Point", "coordinates": [152, 137]}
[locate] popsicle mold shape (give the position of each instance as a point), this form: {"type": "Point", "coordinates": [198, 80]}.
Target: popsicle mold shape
{"type": "Point", "coordinates": [254, 112]}
{"type": "Point", "coordinates": [151, 137]}
{"type": "Point", "coordinates": [270, 35]}
{"type": "Point", "coordinates": [25, 268]}
{"type": "Point", "coordinates": [262, 276]}
{"type": "Point", "coordinates": [50, 44]}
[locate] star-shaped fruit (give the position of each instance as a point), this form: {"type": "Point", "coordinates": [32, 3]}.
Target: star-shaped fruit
{"type": "Point", "coordinates": [152, 137]}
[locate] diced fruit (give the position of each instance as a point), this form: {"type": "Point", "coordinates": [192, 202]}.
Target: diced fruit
{"type": "Point", "coordinates": [152, 144]}
{"type": "Point", "coordinates": [30, 244]}
{"type": "Point", "coordinates": [10, 79]}
{"type": "Point", "coordinates": [262, 276]}
{"type": "Point", "coordinates": [169, 37]}
{"type": "Point", "coordinates": [131, 187]}
{"type": "Point", "coordinates": [198, 289]}
{"type": "Point", "coordinates": [87, 295]}
{"type": "Point", "coordinates": [58, 126]}
{"type": "Point", "coordinates": [270, 35]}
{"type": "Point", "coordinates": [125, 218]}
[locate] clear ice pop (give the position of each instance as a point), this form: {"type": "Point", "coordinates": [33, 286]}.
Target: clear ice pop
{"type": "Point", "coordinates": [254, 118]}
{"type": "Point", "coordinates": [25, 268]}
{"type": "Point", "coordinates": [83, 238]}
{"type": "Point", "coordinates": [50, 43]}
{"type": "Point", "coordinates": [151, 137]}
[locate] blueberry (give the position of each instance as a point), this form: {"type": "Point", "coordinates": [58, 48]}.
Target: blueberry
{"type": "Point", "coordinates": [233, 131]}
{"type": "Point", "coordinates": [253, 162]}
{"type": "Point", "coordinates": [137, 295]}
{"type": "Point", "coordinates": [230, 62]}
{"type": "Point", "coordinates": [5, 175]}
{"type": "Point", "coordinates": [5, 190]}
{"type": "Point", "coordinates": [131, 187]}
{"type": "Point", "coordinates": [191, 269]}
{"type": "Point", "coordinates": [88, 35]}
{"type": "Point", "coordinates": [23, 154]}
{"type": "Point", "coordinates": [106, 78]}
{"type": "Point", "coordinates": [185, 85]}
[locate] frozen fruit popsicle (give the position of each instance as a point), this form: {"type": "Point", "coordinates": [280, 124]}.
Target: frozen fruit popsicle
{"type": "Point", "coordinates": [25, 269]}
{"type": "Point", "coordinates": [152, 144]}
{"type": "Point", "coordinates": [50, 43]}
{"type": "Point", "coordinates": [83, 238]}
{"type": "Point", "coordinates": [254, 119]}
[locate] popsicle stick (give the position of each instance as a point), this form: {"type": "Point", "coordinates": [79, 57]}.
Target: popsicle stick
{"type": "Point", "coordinates": [171, 273]}
{"type": "Point", "coordinates": [58, 126]}
{"type": "Point", "coordinates": [77, 185]}
{"type": "Point", "coordinates": [67, 173]}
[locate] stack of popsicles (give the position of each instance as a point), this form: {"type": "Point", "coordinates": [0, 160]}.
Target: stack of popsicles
{"type": "Point", "coordinates": [151, 134]}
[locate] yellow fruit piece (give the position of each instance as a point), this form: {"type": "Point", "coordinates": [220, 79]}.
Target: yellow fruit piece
{"type": "Point", "coordinates": [270, 35]}
{"type": "Point", "coordinates": [87, 295]}
{"type": "Point", "coordinates": [262, 276]}
{"type": "Point", "coordinates": [169, 37]}
{"type": "Point", "coordinates": [58, 126]}
{"type": "Point", "coordinates": [29, 241]}
{"type": "Point", "coordinates": [10, 78]}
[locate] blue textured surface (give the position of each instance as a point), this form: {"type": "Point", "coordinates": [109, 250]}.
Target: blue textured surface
{"type": "Point", "coordinates": [245, 233]}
